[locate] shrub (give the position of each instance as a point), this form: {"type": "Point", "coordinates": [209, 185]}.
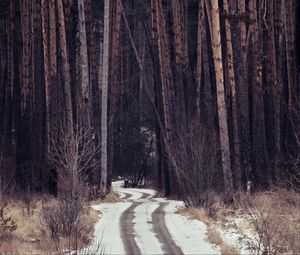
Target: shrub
{"type": "Point", "coordinates": [275, 223]}
{"type": "Point", "coordinates": [196, 164]}
{"type": "Point", "coordinates": [7, 225]}
{"type": "Point", "coordinates": [62, 219]}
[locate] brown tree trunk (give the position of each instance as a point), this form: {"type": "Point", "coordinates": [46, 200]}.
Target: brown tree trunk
{"type": "Point", "coordinates": [84, 66]}
{"type": "Point", "coordinates": [258, 124]}
{"type": "Point", "coordinates": [65, 67]}
{"type": "Point", "coordinates": [272, 82]}
{"type": "Point", "coordinates": [232, 87]}
{"type": "Point", "coordinates": [201, 27]}
{"type": "Point", "coordinates": [180, 55]}
{"type": "Point", "coordinates": [222, 109]}
{"type": "Point", "coordinates": [104, 102]}
{"type": "Point", "coordinates": [47, 79]}
{"type": "Point", "coordinates": [165, 73]}
{"type": "Point", "coordinates": [53, 69]}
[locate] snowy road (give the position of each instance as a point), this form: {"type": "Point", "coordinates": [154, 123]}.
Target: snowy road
{"type": "Point", "coordinates": [143, 224]}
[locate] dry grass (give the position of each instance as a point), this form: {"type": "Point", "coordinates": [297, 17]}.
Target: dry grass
{"type": "Point", "coordinates": [269, 222]}
{"type": "Point", "coordinates": [213, 236]}
{"type": "Point", "coordinates": [31, 235]}
{"type": "Point", "coordinates": [274, 217]}
{"type": "Point", "coordinates": [111, 197]}
{"type": "Point", "coordinates": [196, 214]}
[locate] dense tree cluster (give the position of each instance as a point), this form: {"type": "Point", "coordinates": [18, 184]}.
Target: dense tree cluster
{"type": "Point", "coordinates": [187, 81]}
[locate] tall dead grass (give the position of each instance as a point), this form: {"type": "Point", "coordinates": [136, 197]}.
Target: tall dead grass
{"type": "Point", "coordinates": [271, 221]}
{"type": "Point", "coordinates": [275, 219]}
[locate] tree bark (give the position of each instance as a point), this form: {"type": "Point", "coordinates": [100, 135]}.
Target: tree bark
{"type": "Point", "coordinates": [232, 87]}
{"type": "Point", "coordinates": [258, 123]}
{"type": "Point", "coordinates": [222, 109]}
{"type": "Point", "coordinates": [47, 80]}
{"type": "Point", "coordinates": [104, 101]}
{"type": "Point", "coordinates": [201, 27]}
{"type": "Point", "coordinates": [84, 66]}
{"type": "Point", "coordinates": [65, 68]}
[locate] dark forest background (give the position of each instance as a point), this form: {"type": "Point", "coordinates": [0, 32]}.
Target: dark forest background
{"type": "Point", "coordinates": [202, 95]}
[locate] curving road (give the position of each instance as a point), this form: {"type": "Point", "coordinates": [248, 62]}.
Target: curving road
{"type": "Point", "coordinates": [144, 224]}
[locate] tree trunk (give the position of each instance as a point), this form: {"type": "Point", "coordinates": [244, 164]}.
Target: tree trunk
{"type": "Point", "coordinates": [201, 27]}
{"type": "Point", "coordinates": [258, 124]}
{"type": "Point", "coordinates": [222, 109]}
{"type": "Point", "coordinates": [47, 80]}
{"type": "Point", "coordinates": [180, 56]}
{"type": "Point", "coordinates": [104, 103]}
{"type": "Point", "coordinates": [84, 67]}
{"type": "Point", "coordinates": [65, 68]}
{"type": "Point", "coordinates": [232, 87]}
{"type": "Point", "coordinates": [165, 73]}
{"type": "Point", "coordinates": [241, 76]}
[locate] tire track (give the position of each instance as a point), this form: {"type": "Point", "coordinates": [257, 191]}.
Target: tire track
{"type": "Point", "coordinates": [127, 195]}
{"type": "Point", "coordinates": [162, 233]}
{"type": "Point", "coordinates": [127, 230]}
{"type": "Point", "coordinates": [145, 195]}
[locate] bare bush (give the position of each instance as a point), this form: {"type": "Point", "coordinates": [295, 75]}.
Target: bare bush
{"type": "Point", "coordinates": [64, 220]}
{"type": "Point", "coordinates": [275, 224]}
{"type": "Point", "coordinates": [196, 157]}
{"type": "Point", "coordinates": [75, 157]}
{"type": "Point", "coordinates": [7, 183]}
{"type": "Point", "coordinates": [7, 225]}
{"type": "Point", "coordinates": [50, 217]}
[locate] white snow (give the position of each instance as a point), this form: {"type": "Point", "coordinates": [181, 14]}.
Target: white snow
{"type": "Point", "coordinates": [189, 235]}
{"type": "Point", "coordinates": [238, 236]}
{"type": "Point", "coordinates": [144, 235]}
{"type": "Point", "coordinates": [117, 184]}
{"type": "Point", "coordinates": [134, 194]}
{"type": "Point", "coordinates": [151, 192]}
{"type": "Point", "coordinates": [107, 229]}
{"type": "Point", "coordinates": [121, 195]}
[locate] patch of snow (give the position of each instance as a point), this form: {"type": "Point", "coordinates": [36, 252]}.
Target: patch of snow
{"type": "Point", "coordinates": [107, 229]}
{"type": "Point", "coordinates": [151, 192]}
{"type": "Point", "coordinates": [189, 235]}
{"type": "Point", "coordinates": [117, 184]}
{"type": "Point", "coordinates": [235, 235]}
{"type": "Point", "coordinates": [121, 195]}
{"type": "Point", "coordinates": [143, 228]}
{"type": "Point", "coordinates": [134, 195]}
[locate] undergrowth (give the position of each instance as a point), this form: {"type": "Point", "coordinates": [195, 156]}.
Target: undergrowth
{"type": "Point", "coordinates": [269, 221]}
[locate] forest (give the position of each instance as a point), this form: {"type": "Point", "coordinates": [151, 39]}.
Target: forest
{"type": "Point", "coordinates": [191, 97]}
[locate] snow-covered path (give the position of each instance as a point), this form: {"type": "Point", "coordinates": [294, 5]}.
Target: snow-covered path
{"type": "Point", "coordinates": [142, 224]}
